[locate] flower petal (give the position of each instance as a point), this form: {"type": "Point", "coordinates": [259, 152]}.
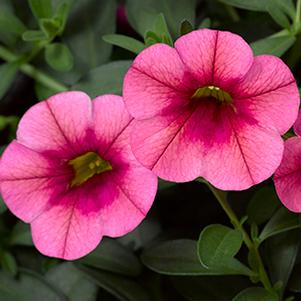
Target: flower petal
{"type": "Point", "coordinates": [157, 82]}
{"type": "Point", "coordinates": [214, 57]}
{"type": "Point", "coordinates": [270, 91]}
{"type": "Point", "coordinates": [29, 179]}
{"type": "Point", "coordinates": [59, 124]}
{"type": "Point", "coordinates": [112, 204]}
{"type": "Point", "coordinates": [297, 125]}
{"type": "Point", "coordinates": [232, 153]}
{"type": "Point", "coordinates": [288, 176]}
{"type": "Point", "coordinates": [110, 119]}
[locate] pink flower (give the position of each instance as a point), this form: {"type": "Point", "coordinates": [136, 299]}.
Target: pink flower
{"type": "Point", "coordinates": [72, 175]}
{"type": "Point", "coordinates": [288, 176]}
{"type": "Point", "coordinates": [209, 108]}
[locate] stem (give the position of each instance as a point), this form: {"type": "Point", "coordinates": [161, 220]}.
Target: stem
{"type": "Point", "coordinates": [33, 72]}
{"type": "Point", "coordinates": [222, 199]}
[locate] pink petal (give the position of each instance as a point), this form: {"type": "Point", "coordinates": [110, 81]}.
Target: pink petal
{"type": "Point", "coordinates": [157, 82]}
{"type": "Point", "coordinates": [110, 119]}
{"type": "Point", "coordinates": [59, 124]}
{"type": "Point", "coordinates": [28, 180]}
{"type": "Point", "coordinates": [269, 90]}
{"type": "Point", "coordinates": [112, 204]}
{"type": "Point", "coordinates": [297, 125]}
{"type": "Point", "coordinates": [233, 153]}
{"type": "Point", "coordinates": [215, 57]}
{"type": "Point", "coordinates": [288, 176]}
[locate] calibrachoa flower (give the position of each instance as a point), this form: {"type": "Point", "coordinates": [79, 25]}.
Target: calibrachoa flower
{"type": "Point", "coordinates": [72, 175]}
{"type": "Point", "coordinates": [288, 176]}
{"type": "Point", "coordinates": [209, 108]}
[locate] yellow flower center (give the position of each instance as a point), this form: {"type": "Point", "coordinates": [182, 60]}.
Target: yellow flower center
{"type": "Point", "coordinates": [87, 166]}
{"type": "Point", "coordinates": [213, 91]}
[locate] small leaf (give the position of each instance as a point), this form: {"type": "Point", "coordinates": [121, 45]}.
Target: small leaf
{"type": "Point", "coordinates": [278, 14]}
{"type": "Point", "coordinates": [61, 15]}
{"type": "Point", "coordinates": [113, 257]}
{"type": "Point", "coordinates": [59, 57]}
{"type": "Point", "coordinates": [10, 23]}
{"type": "Point", "coordinates": [122, 288]}
{"type": "Point", "coordinates": [186, 27]}
{"type": "Point", "coordinates": [151, 38]}
{"type": "Point", "coordinates": [8, 263]}
{"type": "Point", "coordinates": [8, 72]}
{"type": "Point", "coordinates": [255, 294]}
{"type": "Point", "coordinates": [265, 199]}
{"type": "Point", "coordinates": [256, 5]}
{"type": "Point", "coordinates": [161, 30]}
{"type": "Point", "coordinates": [33, 36]}
{"type": "Point", "coordinates": [105, 79]}
{"type": "Point", "coordinates": [50, 27]}
{"type": "Point", "coordinates": [72, 282]}
{"type": "Point", "coordinates": [43, 92]}
{"type": "Point", "coordinates": [125, 42]}
{"type": "Point", "coordinates": [281, 221]}
{"type": "Point", "coordinates": [275, 46]}
{"type": "Point", "coordinates": [41, 8]}
{"type": "Point", "coordinates": [217, 247]}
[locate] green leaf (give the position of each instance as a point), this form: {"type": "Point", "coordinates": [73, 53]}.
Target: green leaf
{"type": "Point", "coordinates": [205, 288]}
{"type": "Point", "coordinates": [33, 36]}
{"type": "Point", "coordinates": [179, 258]}
{"type": "Point", "coordinates": [217, 247]}
{"type": "Point", "coordinates": [141, 14]}
{"type": "Point", "coordinates": [255, 294]}
{"type": "Point", "coordinates": [185, 27]}
{"type": "Point", "coordinates": [218, 243]}
{"type": "Point", "coordinates": [50, 27]}
{"type": "Point", "coordinates": [275, 46]}
{"type": "Point", "coordinates": [72, 282]}
{"type": "Point", "coordinates": [265, 199]}
{"type": "Point", "coordinates": [10, 23]}
{"type": "Point", "coordinates": [28, 287]}
{"type": "Point", "coordinates": [21, 235]}
{"type": "Point", "coordinates": [122, 288]}
{"type": "Point", "coordinates": [280, 255]}
{"type": "Point", "coordinates": [8, 263]}
{"type": "Point", "coordinates": [277, 13]}
{"type": "Point", "coordinates": [86, 25]}
{"type": "Point", "coordinates": [41, 8]}
{"type": "Point", "coordinates": [61, 15]}
{"type": "Point", "coordinates": [256, 5]}
{"type": "Point", "coordinates": [113, 257]}
{"type": "Point", "coordinates": [106, 79]}
{"type": "Point", "coordinates": [3, 207]}
{"type": "Point", "coordinates": [161, 30]}
{"type": "Point", "coordinates": [282, 221]}
{"type": "Point", "coordinates": [59, 57]}
{"type": "Point", "coordinates": [8, 72]}
{"type": "Point", "coordinates": [125, 42]}
{"type": "Point", "coordinates": [151, 38]}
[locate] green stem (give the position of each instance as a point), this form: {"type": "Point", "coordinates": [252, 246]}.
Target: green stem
{"type": "Point", "coordinates": [33, 72]}
{"type": "Point", "coordinates": [222, 199]}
